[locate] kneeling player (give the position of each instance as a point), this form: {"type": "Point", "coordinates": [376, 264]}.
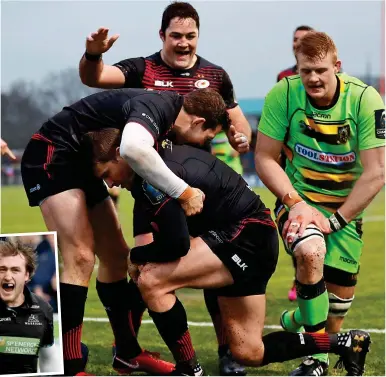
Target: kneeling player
{"type": "Point", "coordinates": [234, 250]}
{"type": "Point", "coordinates": [58, 177]}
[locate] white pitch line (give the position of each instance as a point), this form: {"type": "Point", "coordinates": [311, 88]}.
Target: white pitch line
{"type": "Point", "coordinates": [210, 324]}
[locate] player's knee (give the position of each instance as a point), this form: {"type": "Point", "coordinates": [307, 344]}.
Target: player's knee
{"type": "Point", "coordinates": [247, 353]}
{"type": "Point", "coordinates": [310, 251]}
{"type": "Point", "coordinates": [83, 259]}
{"type": "Point", "coordinates": [150, 282]}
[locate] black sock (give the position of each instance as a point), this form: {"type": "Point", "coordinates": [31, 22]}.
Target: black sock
{"type": "Point", "coordinates": [211, 301]}
{"type": "Point", "coordinates": [173, 328]}
{"type": "Point", "coordinates": [73, 300]}
{"type": "Point", "coordinates": [138, 306]}
{"type": "Point", "coordinates": [222, 350]}
{"type": "Point", "coordinates": [116, 299]}
{"type": "Point", "coordinates": [282, 345]}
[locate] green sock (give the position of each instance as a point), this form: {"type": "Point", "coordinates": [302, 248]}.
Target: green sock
{"type": "Point", "coordinates": [322, 357]}
{"type": "Point", "coordinates": [313, 310]}
{"type": "Point", "coordinates": [292, 321]}
{"type": "Point", "coordinates": [312, 313]}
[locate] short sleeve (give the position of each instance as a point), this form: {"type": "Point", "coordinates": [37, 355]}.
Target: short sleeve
{"type": "Point", "coordinates": [156, 111]}
{"type": "Point", "coordinates": [133, 70]}
{"type": "Point", "coordinates": [371, 120]}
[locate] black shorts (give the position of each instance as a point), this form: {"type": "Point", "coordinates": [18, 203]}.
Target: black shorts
{"type": "Point", "coordinates": [249, 250]}
{"type": "Point", "coordinates": [49, 168]}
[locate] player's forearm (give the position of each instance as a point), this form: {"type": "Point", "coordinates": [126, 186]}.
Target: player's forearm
{"type": "Point", "coordinates": [172, 239]}
{"type": "Point", "coordinates": [137, 149]}
{"type": "Point", "coordinates": [272, 175]}
{"type": "Point", "coordinates": [90, 71]}
{"type": "Point", "coordinates": [365, 189]}
{"type": "Point", "coordinates": [246, 129]}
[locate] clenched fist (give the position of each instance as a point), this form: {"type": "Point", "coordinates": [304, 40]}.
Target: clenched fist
{"type": "Point", "coordinates": [192, 201]}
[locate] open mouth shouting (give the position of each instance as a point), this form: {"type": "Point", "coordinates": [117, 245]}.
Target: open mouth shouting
{"type": "Point", "coordinates": [8, 287]}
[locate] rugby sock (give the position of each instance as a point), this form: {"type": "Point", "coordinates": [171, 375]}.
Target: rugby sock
{"type": "Point", "coordinates": [313, 306]}
{"type": "Point", "coordinates": [73, 300]}
{"type": "Point", "coordinates": [214, 310]}
{"type": "Point", "coordinates": [116, 299]}
{"type": "Point", "coordinates": [173, 328]}
{"type": "Point", "coordinates": [282, 345]}
{"type": "Point", "coordinates": [313, 309]}
{"type": "Point", "coordinates": [138, 306]}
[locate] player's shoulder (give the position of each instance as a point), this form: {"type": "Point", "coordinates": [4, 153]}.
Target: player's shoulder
{"type": "Point", "coordinates": [39, 304]}
{"type": "Point", "coordinates": [357, 89]}
{"type": "Point", "coordinates": [181, 154]}
{"type": "Point", "coordinates": [154, 58]}
{"type": "Point", "coordinates": [286, 86]}
{"type": "Point", "coordinates": [204, 63]}
{"type": "Point", "coordinates": [352, 83]}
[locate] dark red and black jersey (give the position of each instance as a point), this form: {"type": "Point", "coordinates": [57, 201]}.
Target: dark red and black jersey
{"type": "Point", "coordinates": [228, 198]}
{"type": "Point", "coordinates": [155, 110]}
{"type": "Point", "coordinates": [153, 73]}
{"type": "Point", "coordinates": [287, 72]}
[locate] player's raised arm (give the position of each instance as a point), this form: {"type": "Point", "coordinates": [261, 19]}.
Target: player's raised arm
{"type": "Point", "coordinates": [92, 71]}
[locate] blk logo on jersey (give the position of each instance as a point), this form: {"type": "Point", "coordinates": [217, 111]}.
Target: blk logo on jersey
{"type": "Point", "coordinates": [239, 262]}
{"type": "Point", "coordinates": [164, 84]}
{"type": "Point", "coordinates": [380, 123]}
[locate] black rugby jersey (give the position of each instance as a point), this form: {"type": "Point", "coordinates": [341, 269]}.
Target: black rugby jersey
{"type": "Point", "coordinates": [23, 331]}
{"type": "Point", "coordinates": [155, 110]}
{"type": "Point", "coordinates": [228, 198]}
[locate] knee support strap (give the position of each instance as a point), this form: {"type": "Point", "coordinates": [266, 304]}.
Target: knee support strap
{"type": "Point", "coordinates": [338, 307]}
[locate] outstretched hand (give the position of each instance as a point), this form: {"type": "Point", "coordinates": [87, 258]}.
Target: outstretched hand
{"type": "Point", "coordinates": [99, 42]}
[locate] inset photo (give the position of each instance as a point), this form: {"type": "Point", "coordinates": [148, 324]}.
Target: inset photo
{"type": "Point", "coordinates": [30, 326]}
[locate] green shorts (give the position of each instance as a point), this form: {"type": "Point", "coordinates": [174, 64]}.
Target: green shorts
{"type": "Point", "coordinates": [344, 248]}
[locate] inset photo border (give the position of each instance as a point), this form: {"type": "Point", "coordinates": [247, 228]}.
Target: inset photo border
{"type": "Point", "coordinates": [30, 320]}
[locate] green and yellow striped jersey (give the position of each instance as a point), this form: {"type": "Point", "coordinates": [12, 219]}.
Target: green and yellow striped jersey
{"type": "Point", "coordinates": [322, 145]}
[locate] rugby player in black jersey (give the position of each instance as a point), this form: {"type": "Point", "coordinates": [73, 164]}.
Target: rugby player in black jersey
{"type": "Point", "coordinates": [26, 320]}
{"type": "Point", "coordinates": [58, 176]}
{"type": "Point", "coordinates": [231, 246]}
{"type": "Point", "coordinates": [176, 67]}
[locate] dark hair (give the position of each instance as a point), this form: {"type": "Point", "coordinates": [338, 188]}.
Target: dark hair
{"type": "Point", "coordinates": [303, 28]}
{"type": "Point", "coordinates": [208, 104]}
{"type": "Point", "coordinates": [100, 145]}
{"type": "Point", "coordinates": [181, 10]}
{"type": "Point", "coordinates": [11, 248]}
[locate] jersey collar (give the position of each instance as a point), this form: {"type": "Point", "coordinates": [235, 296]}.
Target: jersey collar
{"type": "Point", "coordinates": [29, 300]}
{"type": "Point", "coordinates": [180, 72]}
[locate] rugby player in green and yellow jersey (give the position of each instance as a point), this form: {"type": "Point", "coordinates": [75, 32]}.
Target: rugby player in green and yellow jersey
{"type": "Point", "coordinates": [224, 151]}
{"type": "Point", "coordinates": [332, 128]}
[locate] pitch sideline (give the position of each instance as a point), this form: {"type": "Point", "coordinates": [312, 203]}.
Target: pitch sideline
{"type": "Point", "coordinates": [210, 324]}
